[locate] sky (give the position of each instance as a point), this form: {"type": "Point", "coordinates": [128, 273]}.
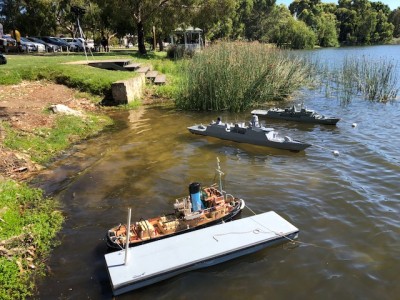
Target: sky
{"type": "Point", "coordinates": [393, 4]}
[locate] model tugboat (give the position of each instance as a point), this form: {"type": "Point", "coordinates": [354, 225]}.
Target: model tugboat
{"type": "Point", "coordinates": [201, 208]}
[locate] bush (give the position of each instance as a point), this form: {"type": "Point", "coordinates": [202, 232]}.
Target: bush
{"type": "Point", "coordinates": [235, 76]}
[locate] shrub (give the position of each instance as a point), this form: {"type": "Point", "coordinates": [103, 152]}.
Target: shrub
{"type": "Point", "coordinates": [235, 76]}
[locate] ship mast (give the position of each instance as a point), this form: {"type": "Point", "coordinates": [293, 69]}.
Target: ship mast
{"type": "Point", "coordinates": [220, 173]}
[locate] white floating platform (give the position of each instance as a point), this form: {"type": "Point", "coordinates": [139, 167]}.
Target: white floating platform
{"type": "Point", "coordinates": [260, 112]}
{"type": "Point", "coordinates": [159, 260]}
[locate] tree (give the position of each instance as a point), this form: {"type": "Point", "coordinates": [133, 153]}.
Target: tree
{"type": "Point", "coordinates": [146, 13]}
{"type": "Point", "coordinates": [254, 22]}
{"type": "Point", "coordinates": [242, 13]}
{"type": "Point", "coordinates": [394, 18]}
{"type": "Point", "coordinates": [319, 18]}
{"type": "Point", "coordinates": [283, 30]}
{"type": "Point", "coordinates": [379, 6]}
{"type": "Point", "coordinates": [327, 30]}
{"type": "Point", "coordinates": [363, 22]}
{"type": "Point", "coordinates": [384, 29]}
{"type": "Point", "coordinates": [11, 12]}
{"type": "Point", "coordinates": [215, 18]}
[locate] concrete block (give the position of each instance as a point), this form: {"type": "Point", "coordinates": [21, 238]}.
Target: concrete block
{"type": "Point", "coordinates": [129, 90]}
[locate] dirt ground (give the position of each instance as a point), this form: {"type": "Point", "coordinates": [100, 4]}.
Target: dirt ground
{"type": "Point", "coordinates": [24, 106]}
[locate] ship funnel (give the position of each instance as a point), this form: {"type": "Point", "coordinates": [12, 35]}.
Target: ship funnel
{"type": "Point", "coordinates": [194, 191]}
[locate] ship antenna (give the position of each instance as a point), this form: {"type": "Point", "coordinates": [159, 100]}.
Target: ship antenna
{"type": "Point", "coordinates": [220, 173]}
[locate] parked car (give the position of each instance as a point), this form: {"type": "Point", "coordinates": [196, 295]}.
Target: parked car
{"type": "Point", "coordinates": [3, 59]}
{"type": "Point", "coordinates": [8, 44]}
{"type": "Point", "coordinates": [75, 44]}
{"type": "Point", "coordinates": [27, 46]}
{"type": "Point", "coordinates": [64, 44]}
{"type": "Point", "coordinates": [56, 41]}
{"type": "Point", "coordinates": [49, 46]}
{"type": "Point", "coordinates": [88, 43]}
{"type": "Point", "coordinates": [38, 46]}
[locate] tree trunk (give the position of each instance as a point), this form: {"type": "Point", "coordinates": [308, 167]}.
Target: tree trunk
{"type": "Point", "coordinates": [141, 45]}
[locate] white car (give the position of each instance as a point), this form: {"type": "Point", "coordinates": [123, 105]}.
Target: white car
{"type": "Point", "coordinates": [89, 43]}
{"type": "Point", "coordinates": [75, 44]}
{"type": "Point", "coordinates": [80, 43]}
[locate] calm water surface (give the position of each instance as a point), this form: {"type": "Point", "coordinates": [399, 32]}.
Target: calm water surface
{"type": "Point", "coordinates": [346, 207]}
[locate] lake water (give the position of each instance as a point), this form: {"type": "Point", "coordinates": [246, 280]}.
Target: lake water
{"type": "Point", "coordinates": [347, 207]}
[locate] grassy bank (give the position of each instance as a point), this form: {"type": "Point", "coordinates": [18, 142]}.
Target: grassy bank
{"type": "Point", "coordinates": [29, 222]}
{"type": "Point", "coordinates": [53, 68]}
{"type": "Point", "coordinates": [28, 225]}
{"type": "Point", "coordinates": [82, 77]}
{"type": "Point", "coordinates": [42, 144]}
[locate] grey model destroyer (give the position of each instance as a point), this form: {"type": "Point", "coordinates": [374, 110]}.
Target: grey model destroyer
{"type": "Point", "coordinates": [252, 134]}
{"type": "Point", "coordinates": [300, 115]}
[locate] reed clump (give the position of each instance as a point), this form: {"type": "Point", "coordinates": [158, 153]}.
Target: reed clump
{"type": "Point", "coordinates": [371, 79]}
{"type": "Point", "coordinates": [237, 75]}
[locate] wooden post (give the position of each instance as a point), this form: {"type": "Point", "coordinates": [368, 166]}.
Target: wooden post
{"type": "Point", "coordinates": [128, 233]}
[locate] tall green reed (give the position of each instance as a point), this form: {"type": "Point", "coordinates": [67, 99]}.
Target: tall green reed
{"type": "Point", "coordinates": [371, 79]}
{"type": "Point", "coordinates": [235, 76]}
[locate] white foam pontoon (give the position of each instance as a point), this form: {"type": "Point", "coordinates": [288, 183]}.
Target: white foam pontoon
{"type": "Point", "coordinates": [159, 260]}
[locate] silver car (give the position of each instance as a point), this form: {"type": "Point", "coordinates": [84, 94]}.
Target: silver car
{"type": "Point", "coordinates": [49, 47]}
{"type": "Point", "coordinates": [27, 46]}
{"type": "Point", "coordinates": [38, 46]}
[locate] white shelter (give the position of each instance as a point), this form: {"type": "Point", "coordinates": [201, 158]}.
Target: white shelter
{"type": "Point", "coordinates": [190, 38]}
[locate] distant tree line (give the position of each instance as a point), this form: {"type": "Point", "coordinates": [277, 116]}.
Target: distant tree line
{"type": "Point", "coordinates": [304, 24]}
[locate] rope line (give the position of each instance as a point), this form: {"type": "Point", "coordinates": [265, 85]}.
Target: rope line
{"type": "Point", "coordinates": [290, 240]}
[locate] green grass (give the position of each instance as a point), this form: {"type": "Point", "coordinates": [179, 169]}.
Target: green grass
{"type": "Point", "coordinates": [28, 224]}
{"type": "Point", "coordinates": [45, 143]}
{"type": "Point", "coordinates": [82, 77]}
{"type": "Point", "coordinates": [236, 76]}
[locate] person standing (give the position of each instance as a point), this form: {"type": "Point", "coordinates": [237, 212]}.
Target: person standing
{"type": "Point", "coordinates": [104, 43]}
{"type": "Point", "coordinates": [17, 36]}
